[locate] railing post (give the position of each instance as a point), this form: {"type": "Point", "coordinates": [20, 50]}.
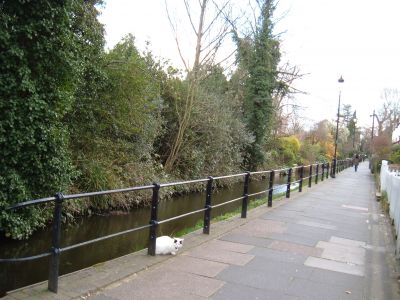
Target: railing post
{"type": "Point", "coordinates": [289, 180]}
{"type": "Point", "coordinates": [310, 177]}
{"type": "Point", "coordinates": [151, 250]}
{"type": "Point", "coordinates": [271, 187]}
{"type": "Point", "coordinates": [55, 245]}
{"type": "Point", "coordinates": [245, 195]}
{"type": "Point", "coordinates": [207, 212]}
{"type": "Point", "coordinates": [316, 174]}
{"type": "Point", "coordinates": [327, 170]}
{"type": "Point", "coordinates": [301, 179]}
{"type": "Point", "coordinates": [333, 169]}
{"type": "Point", "coordinates": [323, 170]}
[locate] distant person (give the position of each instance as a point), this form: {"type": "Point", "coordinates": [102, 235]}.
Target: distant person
{"type": "Point", "coordinates": [356, 161]}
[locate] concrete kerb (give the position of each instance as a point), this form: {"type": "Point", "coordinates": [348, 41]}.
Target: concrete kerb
{"type": "Point", "coordinates": [92, 280]}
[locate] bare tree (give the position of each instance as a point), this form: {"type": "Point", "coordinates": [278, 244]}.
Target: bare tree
{"type": "Point", "coordinates": [388, 117]}
{"type": "Point", "coordinates": [210, 30]}
{"type": "Point", "coordinates": [284, 102]}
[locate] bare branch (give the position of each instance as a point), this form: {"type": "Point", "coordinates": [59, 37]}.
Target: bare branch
{"type": "Point", "coordinates": [217, 15]}
{"type": "Point", "coordinates": [190, 16]}
{"type": "Point", "coordinates": [176, 37]}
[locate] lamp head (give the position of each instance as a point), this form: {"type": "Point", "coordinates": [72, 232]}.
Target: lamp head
{"type": "Point", "coordinates": [341, 80]}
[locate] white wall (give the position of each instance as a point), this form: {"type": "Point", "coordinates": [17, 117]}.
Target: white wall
{"type": "Point", "coordinates": [390, 182]}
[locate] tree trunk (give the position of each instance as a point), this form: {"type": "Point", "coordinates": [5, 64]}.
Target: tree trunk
{"type": "Point", "coordinates": [193, 78]}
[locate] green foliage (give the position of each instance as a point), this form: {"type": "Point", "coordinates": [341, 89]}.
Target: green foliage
{"type": "Point", "coordinates": [289, 150]}
{"type": "Point", "coordinates": [216, 137]}
{"type": "Point", "coordinates": [395, 155]}
{"type": "Point", "coordinates": [37, 82]}
{"type": "Point", "coordinates": [218, 132]}
{"type": "Point", "coordinates": [115, 125]}
{"type": "Point", "coordinates": [259, 58]}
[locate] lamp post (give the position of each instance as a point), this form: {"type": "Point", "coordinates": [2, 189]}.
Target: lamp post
{"type": "Point", "coordinates": [372, 140]}
{"type": "Point", "coordinates": [355, 128]}
{"type": "Point", "coordinates": [337, 132]}
{"type": "Point", "coordinates": [373, 119]}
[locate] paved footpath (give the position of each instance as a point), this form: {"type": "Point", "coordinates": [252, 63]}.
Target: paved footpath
{"type": "Point", "coordinates": [329, 242]}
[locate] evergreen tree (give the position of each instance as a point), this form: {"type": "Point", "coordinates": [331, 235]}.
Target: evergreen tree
{"type": "Point", "coordinates": [259, 56]}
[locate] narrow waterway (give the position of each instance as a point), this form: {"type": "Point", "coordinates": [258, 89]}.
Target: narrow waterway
{"type": "Point", "coordinates": [15, 275]}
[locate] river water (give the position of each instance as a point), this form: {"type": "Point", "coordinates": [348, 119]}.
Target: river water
{"type": "Point", "coordinates": [15, 275]}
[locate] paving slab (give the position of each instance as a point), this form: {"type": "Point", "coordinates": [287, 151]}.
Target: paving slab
{"type": "Point", "coordinates": [247, 240]}
{"type": "Point", "coordinates": [348, 281]}
{"type": "Point", "coordinates": [307, 289]}
{"type": "Point", "coordinates": [275, 255]}
{"type": "Point", "coordinates": [333, 265]}
{"type": "Point", "coordinates": [261, 228]}
{"type": "Point", "coordinates": [158, 284]}
{"type": "Point", "coordinates": [317, 224]}
{"type": "Point", "coordinates": [287, 269]}
{"type": "Point", "coordinates": [296, 248]}
{"type": "Point", "coordinates": [259, 279]}
{"type": "Point", "coordinates": [202, 267]}
{"type": "Point", "coordinates": [240, 292]}
{"type": "Point", "coordinates": [220, 255]}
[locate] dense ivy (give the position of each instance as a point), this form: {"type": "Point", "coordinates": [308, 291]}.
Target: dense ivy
{"type": "Point", "coordinates": [39, 72]}
{"type": "Point", "coordinates": [259, 58]}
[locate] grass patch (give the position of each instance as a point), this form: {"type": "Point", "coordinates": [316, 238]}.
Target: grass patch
{"type": "Point", "coordinates": [185, 231]}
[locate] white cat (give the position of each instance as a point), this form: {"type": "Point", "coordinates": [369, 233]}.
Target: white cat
{"type": "Point", "coordinates": [167, 245]}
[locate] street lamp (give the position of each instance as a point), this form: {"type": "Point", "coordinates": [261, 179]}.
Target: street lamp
{"type": "Point", "coordinates": [337, 132]}
{"type": "Point", "coordinates": [355, 128]}
{"type": "Point", "coordinates": [372, 140]}
{"type": "Point", "coordinates": [373, 119]}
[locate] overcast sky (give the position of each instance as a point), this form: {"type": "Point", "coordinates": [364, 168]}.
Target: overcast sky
{"type": "Point", "coordinates": [358, 39]}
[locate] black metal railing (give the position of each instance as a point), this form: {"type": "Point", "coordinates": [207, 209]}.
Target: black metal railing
{"type": "Point", "coordinates": [58, 199]}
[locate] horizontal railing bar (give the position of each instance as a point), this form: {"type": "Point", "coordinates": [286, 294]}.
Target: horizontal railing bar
{"type": "Point", "coordinates": [229, 176]}
{"type": "Point", "coordinates": [260, 172]}
{"type": "Point", "coordinates": [182, 216]}
{"type": "Point", "coordinates": [284, 169]}
{"type": "Point", "coordinates": [104, 238]}
{"type": "Point", "coordinates": [5, 260]}
{"type": "Point", "coordinates": [258, 193]}
{"type": "Point", "coordinates": [82, 195]}
{"type": "Point", "coordinates": [183, 182]}
{"type": "Point", "coordinates": [296, 167]}
{"type": "Point", "coordinates": [227, 202]}
{"type": "Point", "coordinates": [107, 192]}
{"type": "Point", "coordinates": [31, 202]}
